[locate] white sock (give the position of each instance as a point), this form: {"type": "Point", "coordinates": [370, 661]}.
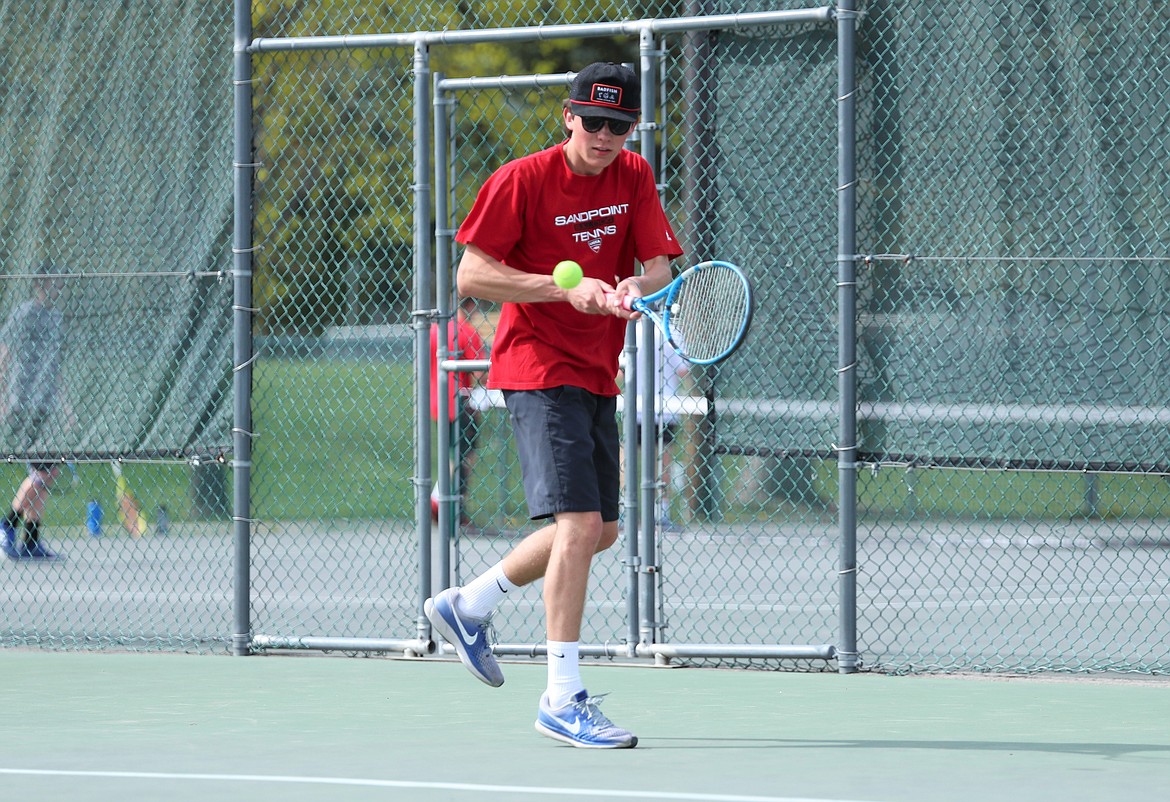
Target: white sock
{"type": "Point", "coordinates": [564, 673]}
{"type": "Point", "coordinates": [479, 598]}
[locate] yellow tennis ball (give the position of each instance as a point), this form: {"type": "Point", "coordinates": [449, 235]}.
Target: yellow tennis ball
{"type": "Point", "coordinates": [567, 274]}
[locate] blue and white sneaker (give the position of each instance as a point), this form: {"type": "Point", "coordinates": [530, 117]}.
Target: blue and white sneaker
{"type": "Point", "coordinates": [581, 723]}
{"type": "Point", "coordinates": [8, 540]}
{"type": "Point", "coordinates": [468, 635]}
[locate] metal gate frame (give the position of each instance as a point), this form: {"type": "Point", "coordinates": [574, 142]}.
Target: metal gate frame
{"type": "Point", "coordinates": [640, 558]}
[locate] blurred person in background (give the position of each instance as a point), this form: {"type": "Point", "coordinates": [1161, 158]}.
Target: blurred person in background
{"type": "Point", "coordinates": [30, 372]}
{"type": "Point", "coordinates": [463, 342]}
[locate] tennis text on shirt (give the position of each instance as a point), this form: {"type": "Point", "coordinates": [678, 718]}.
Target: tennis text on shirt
{"type": "Point", "coordinates": [590, 226]}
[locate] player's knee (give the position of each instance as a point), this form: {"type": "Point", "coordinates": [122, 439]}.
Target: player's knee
{"type": "Point", "coordinates": [609, 536]}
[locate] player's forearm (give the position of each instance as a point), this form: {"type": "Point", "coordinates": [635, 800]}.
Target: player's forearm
{"type": "Point", "coordinates": [481, 276]}
{"type": "Point", "coordinates": [655, 274]}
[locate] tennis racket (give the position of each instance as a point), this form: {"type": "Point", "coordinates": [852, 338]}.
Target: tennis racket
{"type": "Point", "coordinates": [129, 511]}
{"type": "Point", "coordinates": [704, 314]}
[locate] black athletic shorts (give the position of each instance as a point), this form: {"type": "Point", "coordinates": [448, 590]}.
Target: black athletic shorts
{"type": "Point", "coordinates": [567, 440]}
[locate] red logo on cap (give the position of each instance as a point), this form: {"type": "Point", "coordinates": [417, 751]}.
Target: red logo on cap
{"type": "Point", "coordinates": [609, 95]}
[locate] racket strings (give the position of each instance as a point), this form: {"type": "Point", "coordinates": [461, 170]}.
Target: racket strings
{"type": "Point", "coordinates": [709, 313]}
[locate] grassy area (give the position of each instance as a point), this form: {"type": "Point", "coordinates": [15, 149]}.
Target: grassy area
{"type": "Point", "coordinates": [341, 434]}
{"type": "Point", "coordinates": [1043, 495]}
{"type": "Point", "coordinates": [156, 486]}
{"type": "Point", "coordinates": [336, 437]}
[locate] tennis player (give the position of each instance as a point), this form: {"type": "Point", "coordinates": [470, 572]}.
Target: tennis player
{"type": "Point", "coordinates": [30, 364]}
{"type": "Point", "coordinates": [555, 358]}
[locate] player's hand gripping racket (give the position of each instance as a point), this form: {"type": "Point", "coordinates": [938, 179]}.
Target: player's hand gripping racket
{"type": "Point", "coordinates": [704, 314]}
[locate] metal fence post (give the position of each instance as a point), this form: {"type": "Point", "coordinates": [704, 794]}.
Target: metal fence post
{"type": "Point", "coordinates": [847, 657]}
{"type": "Point", "coordinates": [632, 559]}
{"type": "Point", "coordinates": [243, 170]}
{"type": "Point", "coordinates": [443, 316]}
{"type": "Point", "coordinates": [647, 388]}
{"type": "Point", "coordinates": [421, 322]}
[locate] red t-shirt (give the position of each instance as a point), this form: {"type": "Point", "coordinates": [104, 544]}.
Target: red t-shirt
{"type": "Point", "coordinates": [469, 346]}
{"type": "Point", "coordinates": [532, 213]}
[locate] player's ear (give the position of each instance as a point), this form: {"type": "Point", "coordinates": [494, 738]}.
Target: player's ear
{"type": "Point", "coordinates": [566, 117]}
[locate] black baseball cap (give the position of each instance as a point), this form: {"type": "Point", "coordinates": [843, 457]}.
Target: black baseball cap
{"type": "Point", "coordinates": [605, 89]}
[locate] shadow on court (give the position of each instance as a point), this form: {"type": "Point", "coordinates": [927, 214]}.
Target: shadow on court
{"type": "Point", "coordinates": [101, 726]}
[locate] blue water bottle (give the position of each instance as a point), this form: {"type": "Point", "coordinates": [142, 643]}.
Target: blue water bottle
{"type": "Point", "coordinates": [93, 518]}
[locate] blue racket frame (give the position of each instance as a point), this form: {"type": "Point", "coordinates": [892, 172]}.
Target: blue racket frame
{"type": "Point", "coordinates": [658, 307]}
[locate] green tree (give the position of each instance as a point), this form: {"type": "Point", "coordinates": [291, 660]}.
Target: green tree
{"type": "Point", "coordinates": [334, 138]}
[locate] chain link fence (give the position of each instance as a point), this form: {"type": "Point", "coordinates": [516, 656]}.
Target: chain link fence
{"type": "Point", "coordinates": [1011, 475]}
{"type": "Point", "coordinates": [115, 346]}
{"type": "Point", "coordinates": [1011, 330]}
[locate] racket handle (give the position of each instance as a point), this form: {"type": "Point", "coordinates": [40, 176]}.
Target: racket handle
{"type": "Point", "coordinates": [627, 302]}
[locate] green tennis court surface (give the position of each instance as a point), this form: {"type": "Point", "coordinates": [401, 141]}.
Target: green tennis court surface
{"type": "Point", "coordinates": [101, 726]}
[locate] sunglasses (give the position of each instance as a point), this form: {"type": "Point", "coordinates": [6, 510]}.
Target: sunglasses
{"type": "Point", "coordinates": [616, 127]}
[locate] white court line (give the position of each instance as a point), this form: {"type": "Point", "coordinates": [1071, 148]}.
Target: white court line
{"type": "Point", "coordinates": [434, 786]}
